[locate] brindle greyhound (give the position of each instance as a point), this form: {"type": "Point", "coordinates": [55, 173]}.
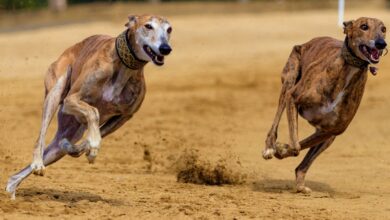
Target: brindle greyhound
{"type": "Point", "coordinates": [97, 85]}
{"type": "Point", "coordinates": [323, 81]}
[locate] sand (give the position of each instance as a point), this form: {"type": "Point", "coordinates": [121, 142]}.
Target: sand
{"type": "Point", "coordinates": [217, 93]}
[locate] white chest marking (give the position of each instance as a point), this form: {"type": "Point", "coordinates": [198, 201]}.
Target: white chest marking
{"type": "Point", "coordinates": [108, 93]}
{"type": "Point", "coordinates": [331, 106]}
{"type": "Point", "coordinates": [112, 91]}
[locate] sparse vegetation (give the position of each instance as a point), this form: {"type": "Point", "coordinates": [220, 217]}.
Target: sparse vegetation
{"type": "Point", "coordinates": [22, 4]}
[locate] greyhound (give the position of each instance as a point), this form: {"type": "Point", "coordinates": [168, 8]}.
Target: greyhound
{"type": "Point", "coordinates": [323, 81]}
{"type": "Point", "coordinates": [96, 85]}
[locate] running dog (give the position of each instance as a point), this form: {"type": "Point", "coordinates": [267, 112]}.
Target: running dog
{"type": "Point", "coordinates": [323, 81]}
{"type": "Point", "coordinates": [97, 85]}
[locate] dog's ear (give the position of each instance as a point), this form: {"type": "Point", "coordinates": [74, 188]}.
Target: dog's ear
{"type": "Point", "coordinates": [132, 21]}
{"type": "Point", "coordinates": [347, 26]}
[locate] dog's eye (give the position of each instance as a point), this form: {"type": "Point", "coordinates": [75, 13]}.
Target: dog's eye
{"type": "Point", "coordinates": [364, 27]}
{"type": "Point", "coordinates": [148, 26]}
{"type": "Point", "coordinates": [383, 29]}
{"type": "Point", "coordinates": [169, 30]}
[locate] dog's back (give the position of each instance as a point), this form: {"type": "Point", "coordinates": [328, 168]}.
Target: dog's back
{"type": "Point", "coordinates": [321, 51]}
{"type": "Point", "coordinates": [79, 56]}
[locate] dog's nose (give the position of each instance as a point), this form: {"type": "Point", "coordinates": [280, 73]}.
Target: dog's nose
{"type": "Point", "coordinates": [380, 44]}
{"type": "Point", "coordinates": [165, 49]}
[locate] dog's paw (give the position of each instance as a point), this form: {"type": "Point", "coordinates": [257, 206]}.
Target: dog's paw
{"type": "Point", "coordinates": [93, 146]}
{"type": "Point", "coordinates": [92, 154]}
{"type": "Point", "coordinates": [268, 153]}
{"type": "Point", "coordinates": [11, 188]}
{"type": "Point", "coordinates": [303, 189]}
{"type": "Point", "coordinates": [281, 150]}
{"type": "Point", "coordinates": [38, 168]}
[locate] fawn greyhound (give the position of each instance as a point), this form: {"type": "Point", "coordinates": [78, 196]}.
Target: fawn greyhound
{"type": "Point", "coordinates": [97, 85]}
{"type": "Point", "coordinates": [323, 81]}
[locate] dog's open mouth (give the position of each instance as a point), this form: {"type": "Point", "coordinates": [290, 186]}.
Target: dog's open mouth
{"type": "Point", "coordinates": [372, 54]}
{"type": "Point", "coordinates": [157, 59]}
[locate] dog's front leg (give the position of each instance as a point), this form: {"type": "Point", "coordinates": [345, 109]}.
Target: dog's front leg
{"type": "Point", "coordinates": [110, 126]}
{"type": "Point", "coordinates": [303, 167]}
{"type": "Point", "coordinates": [315, 139]}
{"type": "Point", "coordinates": [113, 124]}
{"type": "Point", "coordinates": [284, 150]}
{"type": "Point", "coordinates": [89, 115]}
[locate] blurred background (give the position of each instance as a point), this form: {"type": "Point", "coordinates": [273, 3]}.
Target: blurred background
{"type": "Point", "coordinates": [217, 92]}
{"type": "Point", "coordinates": [57, 11]}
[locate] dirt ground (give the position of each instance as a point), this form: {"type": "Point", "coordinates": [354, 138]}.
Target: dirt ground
{"type": "Point", "coordinates": [216, 93]}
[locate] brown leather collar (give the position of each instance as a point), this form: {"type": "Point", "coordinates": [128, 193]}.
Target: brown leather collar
{"type": "Point", "coordinates": [350, 57]}
{"type": "Point", "coordinates": [126, 53]}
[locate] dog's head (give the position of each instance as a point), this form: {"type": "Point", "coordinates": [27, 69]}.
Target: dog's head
{"type": "Point", "coordinates": [366, 38]}
{"type": "Point", "coordinates": [150, 36]}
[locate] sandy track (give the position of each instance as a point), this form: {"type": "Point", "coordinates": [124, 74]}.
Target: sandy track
{"type": "Point", "coordinates": [217, 93]}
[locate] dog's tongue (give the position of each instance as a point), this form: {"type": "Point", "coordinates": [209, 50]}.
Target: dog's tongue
{"type": "Point", "coordinates": [373, 70]}
{"type": "Point", "coordinates": [375, 54]}
{"type": "Point", "coordinates": [160, 58]}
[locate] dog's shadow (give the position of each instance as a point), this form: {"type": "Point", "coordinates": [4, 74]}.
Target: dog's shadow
{"type": "Point", "coordinates": [281, 186]}
{"type": "Point", "coordinates": [64, 196]}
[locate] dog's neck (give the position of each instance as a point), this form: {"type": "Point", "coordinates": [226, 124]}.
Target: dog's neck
{"type": "Point", "coordinates": [351, 58]}
{"type": "Point", "coordinates": [126, 52]}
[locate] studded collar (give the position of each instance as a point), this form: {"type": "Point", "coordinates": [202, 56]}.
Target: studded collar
{"type": "Point", "coordinates": [126, 53]}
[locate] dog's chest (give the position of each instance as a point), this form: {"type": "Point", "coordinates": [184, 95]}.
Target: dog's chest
{"type": "Point", "coordinates": [338, 106]}
{"type": "Point", "coordinates": [122, 98]}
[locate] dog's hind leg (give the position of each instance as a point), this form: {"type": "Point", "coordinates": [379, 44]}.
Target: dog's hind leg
{"type": "Point", "coordinates": [292, 118]}
{"type": "Point", "coordinates": [303, 167]}
{"type": "Point", "coordinates": [269, 150]}
{"type": "Point", "coordinates": [51, 154]}
{"type": "Point", "coordinates": [290, 77]}
{"type": "Point", "coordinates": [50, 106]}
{"type": "Point", "coordinates": [68, 128]}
